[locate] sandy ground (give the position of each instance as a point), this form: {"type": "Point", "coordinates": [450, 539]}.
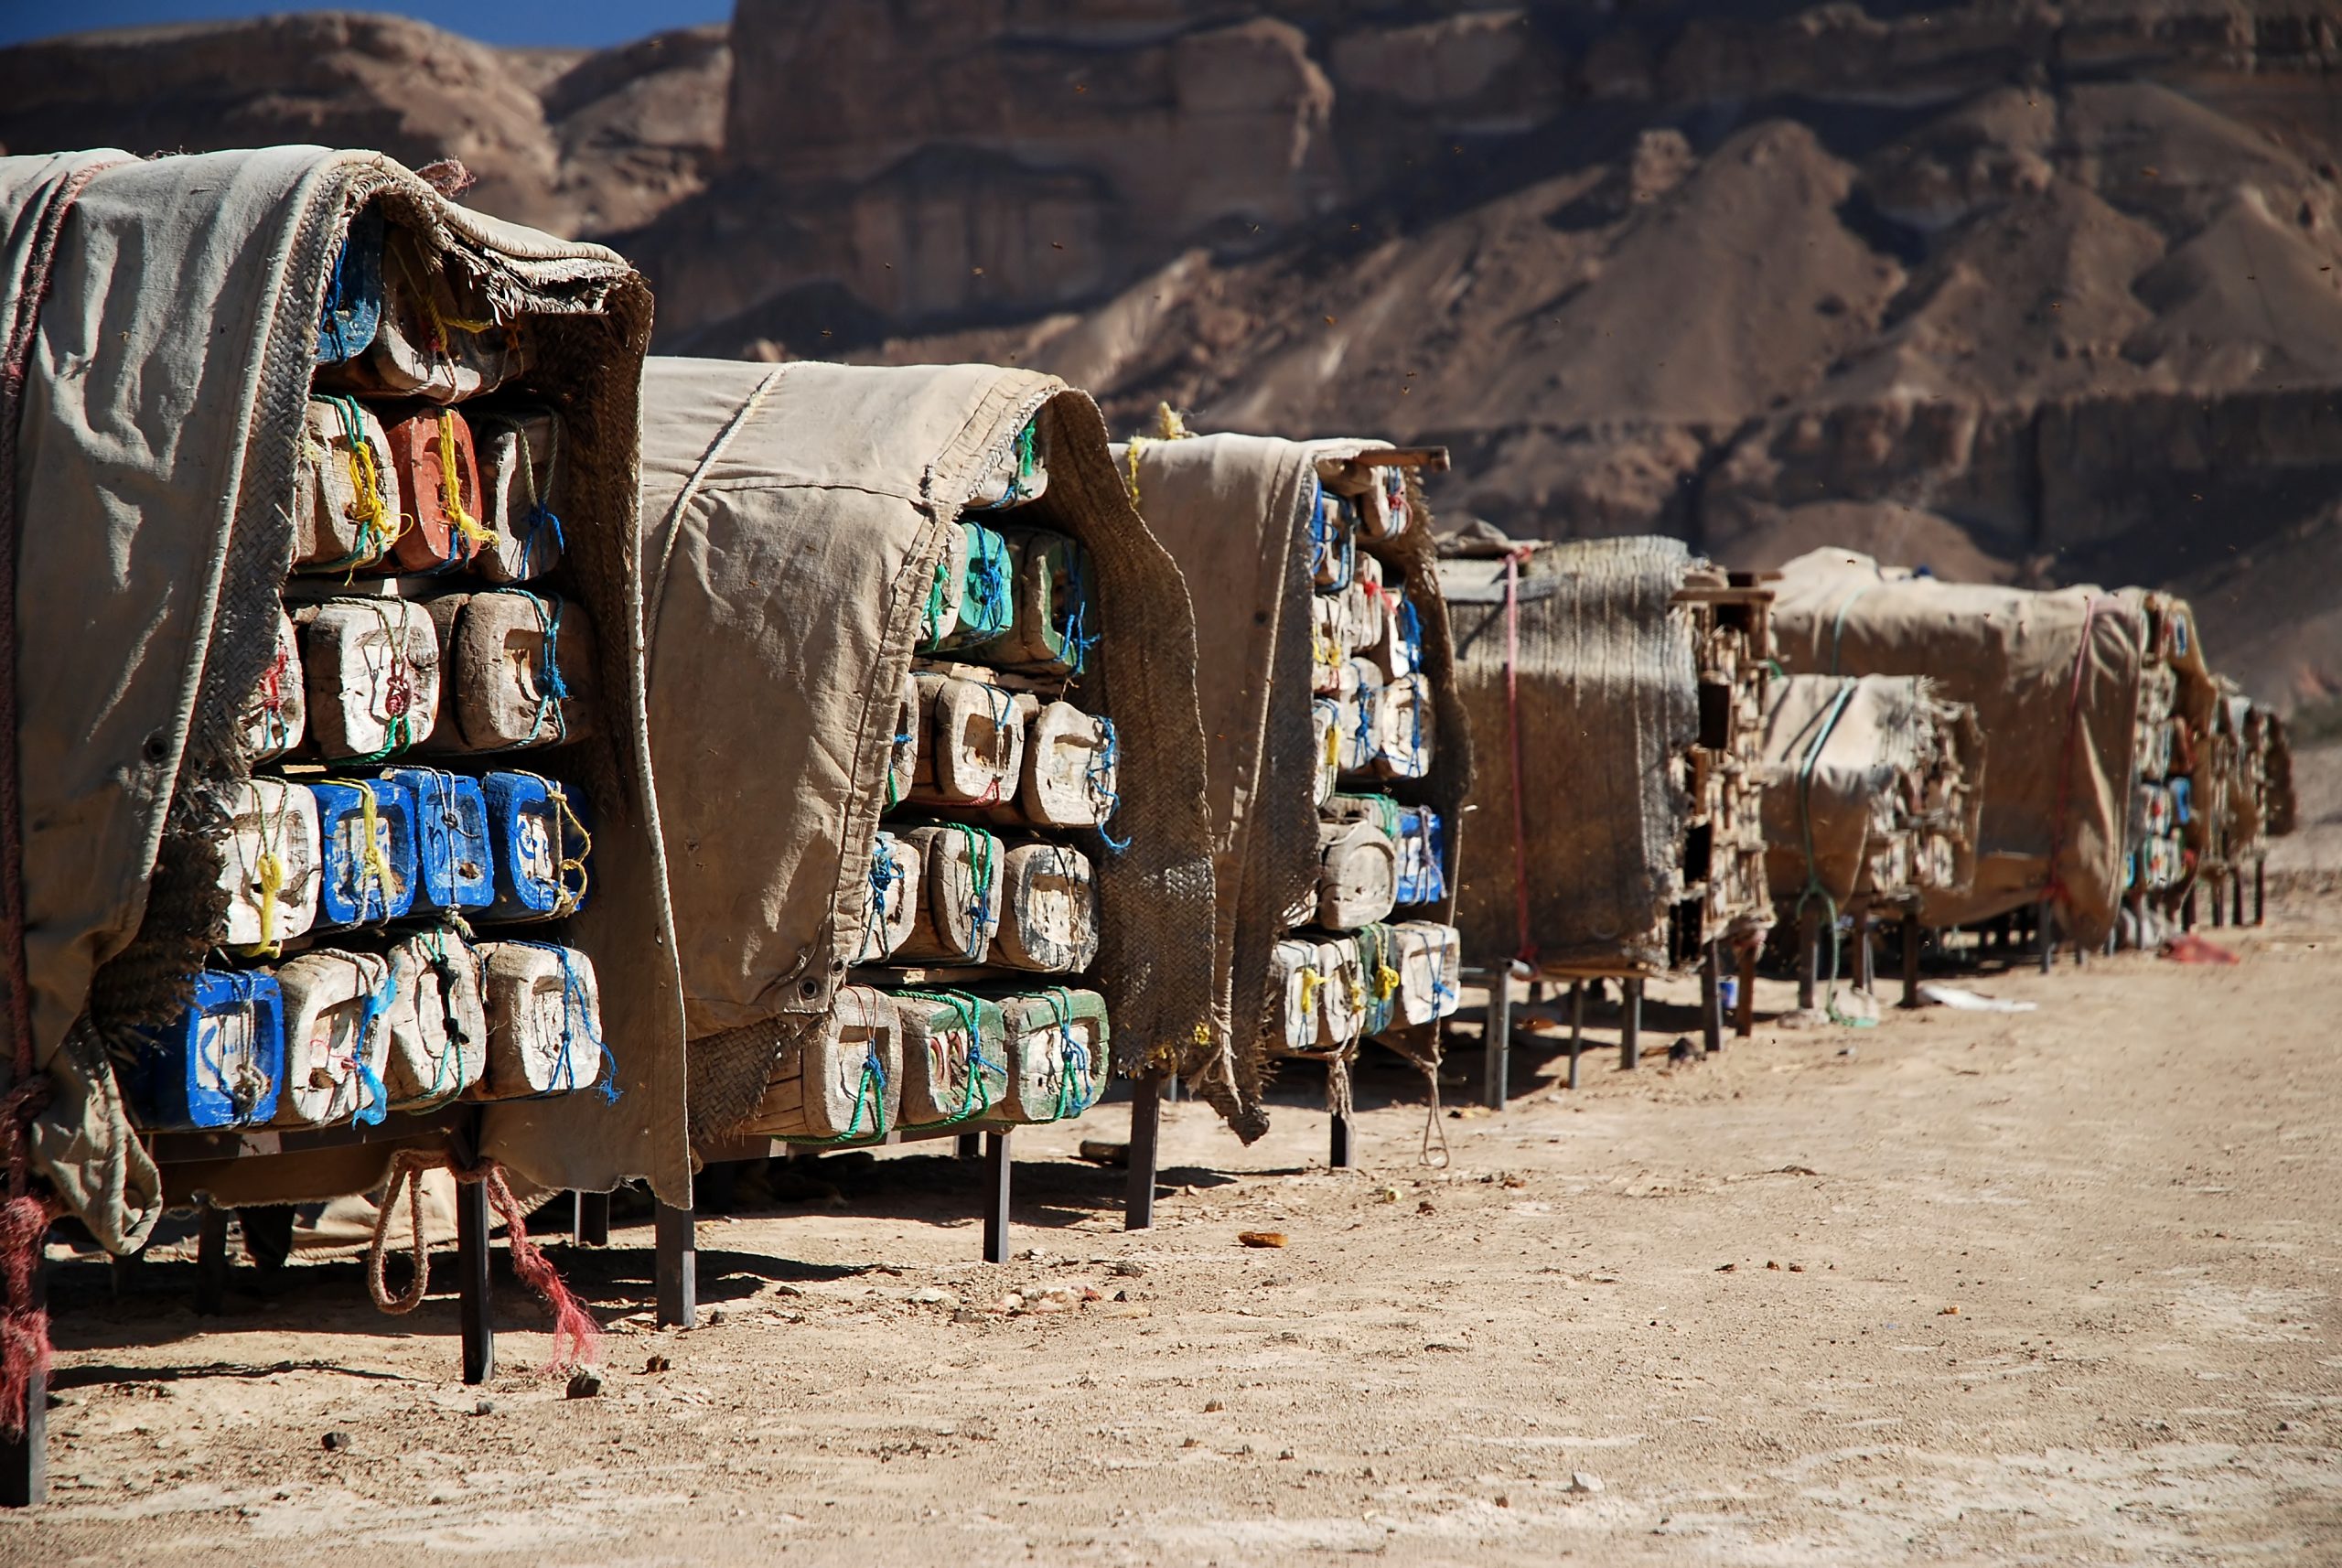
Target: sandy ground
{"type": "Point", "coordinates": [2055, 1287]}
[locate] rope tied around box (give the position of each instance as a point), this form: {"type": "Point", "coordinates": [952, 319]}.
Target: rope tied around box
{"type": "Point", "coordinates": [476, 535]}
{"type": "Point", "coordinates": [434, 944]}
{"type": "Point", "coordinates": [366, 508]}
{"type": "Point", "coordinates": [551, 689]}
{"type": "Point", "coordinates": [398, 685]}
{"type": "Point", "coordinates": [967, 1014]}
{"type": "Point", "coordinates": [540, 516]}
{"type": "Point", "coordinates": [274, 726]}
{"type": "Point", "coordinates": [1073, 1056]}
{"type": "Point", "coordinates": [571, 1322]}
{"type": "Point", "coordinates": [573, 1012]}
{"type": "Point", "coordinates": [1020, 484]}
{"type": "Point", "coordinates": [268, 872]}
{"type": "Point", "coordinates": [1102, 774]}
{"type": "Point", "coordinates": [565, 899]}
{"type": "Point", "coordinates": [873, 1076]}
{"type": "Point", "coordinates": [885, 876]}
{"type": "Point", "coordinates": [982, 876]}
{"type": "Point", "coordinates": [372, 866]}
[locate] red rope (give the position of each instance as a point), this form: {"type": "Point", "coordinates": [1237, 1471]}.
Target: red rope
{"type": "Point", "coordinates": [25, 1216]}
{"type": "Point", "coordinates": [1526, 952]}
{"type": "Point", "coordinates": [571, 1322]}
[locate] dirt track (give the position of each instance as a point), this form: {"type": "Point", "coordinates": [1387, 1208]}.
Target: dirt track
{"type": "Point", "coordinates": [2050, 1288]}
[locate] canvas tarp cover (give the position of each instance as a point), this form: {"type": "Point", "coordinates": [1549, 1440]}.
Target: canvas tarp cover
{"type": "Point", "coordinates": [792, 517]}
{"type": "Point", "coordinates": [1839, 754]}
{"type": "Point", "coordinates": [1607, 704]}
{"type": "Point", "coordinates": [1234, 511]}
{"type": "Point", "coordinates": [153, 482]}
{"type": "Point", "coordinates": [2055, 681]}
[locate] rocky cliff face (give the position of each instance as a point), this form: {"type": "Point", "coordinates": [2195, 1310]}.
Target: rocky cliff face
{"type": "Point", "coordinates": [2021, 290]}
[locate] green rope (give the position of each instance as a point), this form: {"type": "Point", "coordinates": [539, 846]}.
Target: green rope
{"type": "Point", "coordinates": [967, 1012]}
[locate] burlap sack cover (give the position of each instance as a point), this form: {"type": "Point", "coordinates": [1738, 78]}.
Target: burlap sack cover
{"type": "Point", "coordinates": [791, 519]}
{"type": "Point", "coordinates": [1607, 688]}
{"type": "Point", "coordinates": [153, 485]}
{"type": "Point", "coordinates": [2055, 681]}
{"type": "Point", "coordinates": [1830, 769]}
{"type": "Point", "coordinates": [1234, 512]}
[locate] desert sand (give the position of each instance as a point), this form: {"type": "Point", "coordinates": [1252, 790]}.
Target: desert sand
{"type": "Point", "coordinates": [2044, 1287]}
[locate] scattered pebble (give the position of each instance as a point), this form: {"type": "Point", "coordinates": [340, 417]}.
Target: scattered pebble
{"type": "Point", "coordinates": [1213, 1407]}
{"type": "Point", "coordinates": [484, 1407]}
{"type": "Point", "coordinates": [1580, 1481]}
{"type": "Point", "coordinates": [1260, 1238]}
{"type": "Point", "coordinates": [936, 1296]}
{"type": "Point", "coordinates": [336, 1442]}
{"type": "Point", "coordinates": [657, 1363]}
{"type": "Point", "coordinates": [585, 1383]}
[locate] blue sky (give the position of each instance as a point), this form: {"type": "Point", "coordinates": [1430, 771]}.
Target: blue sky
{"type": "Point", "coordinates": [579, 22]}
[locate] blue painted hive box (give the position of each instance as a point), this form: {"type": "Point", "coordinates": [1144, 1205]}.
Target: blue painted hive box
{"type": "Point", "coordinates": [539, 838]}
{"type": "Point", "coordinates": [454, 860]}
{"type": "Point", "coordinates": [359, 889]}
{"type": "Point", "coordinates": [220, 1065]}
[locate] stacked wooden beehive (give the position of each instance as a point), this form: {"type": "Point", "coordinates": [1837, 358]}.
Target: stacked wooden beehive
{"type": "Point", "coordinates": [1725, 890]}
{"type": "Point", "coordinates": [973, 1002]}
{"type": "Point", "coordinates": [2174, 823]}
{"type": "Point", "coordinates": [396, 872]}
{"type": "Point", "coordinates": [1349, 966]}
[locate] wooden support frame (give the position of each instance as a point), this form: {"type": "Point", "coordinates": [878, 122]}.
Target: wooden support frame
{"type": "Point", "coordinates": [1911, 958]}
{"type": "Point", "coordinates": [1630, 1025]}
{"type": "Point", "coordinates": [1496, 1039]}
{"type": "Point", "coordinates": [999, 1165]}
{"type": "Point", "coordinates": [1577, 1026]}
{"type": "Point", "coordinates": [590, 1224]}
{"type": "Point", "coordinates": [1746, 1025]}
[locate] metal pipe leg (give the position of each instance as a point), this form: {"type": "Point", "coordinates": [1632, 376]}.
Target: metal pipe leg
{"type": "Point", "coordinates": [2188, 910]}
{"type": "Point", "coordinates": [1337, 1149]}
{"type": "Point", "coordinates": [1577, 1026]}
{"type": "Point", "coordinates": [472, 1284]}
{"type": "Point", "coordinates": [24, 1457]}
{"type": "Point", "coordinates": [1865, 976]}
{"type": "Point", "coordinates": [1712, 998]}
{"type": "Point", "coordinates": [2236, 897]}
{"type": "Point", "coordinates": [1146, 1127]}
{"type": "Point", "coordinates": [211, 1263]}
{"type": "Point", "coordinates": [1911, 958]}
{"type": "Point", "coordinates": [677, 1232]}
{"type": "Point", "coordinates": [998, 1164]}
{"type": "Point", "coordinates": [2260, 893]}
{"type": "Point", "coordinates": [1747, 1023]}
{"type": "Point", "coordinates": [2042, 915]}
{"type": "Point", "coordinates": [1631, 1031]}
{"type": "Point", "coordinates": [969, 1146]}
{"type": "Point", "coordinates": [1809, 955]}
{"type": "Point", "coordinates": [592, 1224]}
{"type": "Point", "coordinates": [1496, 1046]}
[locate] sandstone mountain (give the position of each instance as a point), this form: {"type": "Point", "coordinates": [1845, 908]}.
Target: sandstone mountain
{"type": "Point", "coordinates": [2018, 290]}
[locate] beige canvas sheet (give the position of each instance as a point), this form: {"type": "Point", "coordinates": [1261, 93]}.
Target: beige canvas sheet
{"type": "Point", "coordinates": [2055, 681]}
{"type": "Point", "coordinates": [1233, 511]}
{"type": "Point", "coordinates": [154, 481]}
{"type": "Point", "coordinates": [791, 519]}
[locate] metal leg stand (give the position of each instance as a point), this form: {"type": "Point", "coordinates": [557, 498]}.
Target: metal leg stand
{"type": "Point", "coordinates": [677, 1233]}
{"type": "Point", "coordinates": [997, 1164]}
{"type": "Point", "coordinates": [472, 1282]}
{"type": "Point", "coordinates": [1577, 1026]}
{"type": "Point", "coordinates": [1809, 955]}
{"type": "Point", "coordinates": [24, 1457]}
{"type": "Point", "coordinates": [1338, 1152]}
{"type": "Point", "coordinates": [1146, 1127]}
{"type": "Point", "coordinates": [1712, 998]}
{"type": "Point", "coordinates": [1495, 1045]}
{"type": "Point", "coordinates": [1744, 1025]}
{"type": "Point", "coordinates": [2260, 893]}
{"type": "Point", "coordinates": [1911, 958]}
{"type": "Point", "coordinates": [2188, 911]}
{"type": "Point", "coordinates": [211, 1263]}
{"type": "Point", "coordinates": [592, 1227]}
{"type": "Point", "coordinates": [1865, 977]}
{"type": "Point", "coordinates": [2236, 894]}
{"type": "Point", "coordinates": [969, 1146]}
{"type": "Point", "coordinates": [1631, 1031]}
{"type": "Point", "coordinates": [2048, 931]}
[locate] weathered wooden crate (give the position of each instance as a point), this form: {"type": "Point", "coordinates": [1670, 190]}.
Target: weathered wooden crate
{"type": "Point", "coordinates": [543, 1006]}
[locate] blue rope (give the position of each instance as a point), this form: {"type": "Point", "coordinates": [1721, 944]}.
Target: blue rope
{"type": "Point", "coordinates": [373, 1098]}
{"type": "Point", "coordinates": [1077, 644]}
{"type": "Point", "coordinates": [885, 874]}
{"type": "Point", "coordinates": [1103, 773]}
{"type": "Point", "coordinates": [573, 1006]}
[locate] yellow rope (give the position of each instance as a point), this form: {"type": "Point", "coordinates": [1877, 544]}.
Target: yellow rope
{"type": "Point", "coordinates": [373, 864]}
{"type": "Point", "coordinates": [1310, 982]}
{"type": "Point", "coordinates": [474, 533]}
{"type": "Point", "coordinates": [1386, 981]}
{"type": "Point", "coordinates": [565, 900]}
{"type": "Point", "coordinates": [365, 508]}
